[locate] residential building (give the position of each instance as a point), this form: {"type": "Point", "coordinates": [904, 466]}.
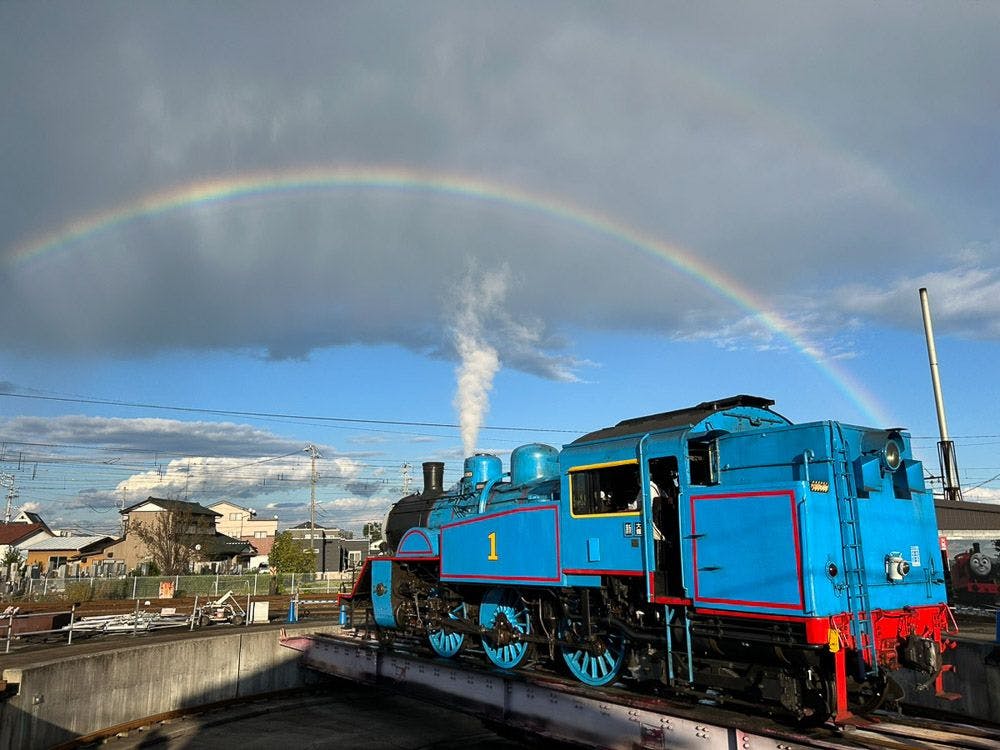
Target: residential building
{"type": "Point", "coordinates": [19, 535]}
{"type": "Point", "coordinates": [242, 523]}
{"type": "Point", "coordinates": [339, 555]}
{"type": "Point", "coordinates": [74, 556]}
{"type": "Point", "coordinates": [26, 516]}
{"type": "Point", "coordinates": [193, 527]}
{"type": "Point", "coordinates": [336, 549]}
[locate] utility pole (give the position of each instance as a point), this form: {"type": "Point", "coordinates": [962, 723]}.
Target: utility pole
{"type": "Point", "coordinates": [8, 479]}
{"type": "Point", "coordinates": [122, 509]}
{"type": "Point", "coordinates": [313, 453]}
{"type": "Point", "coordinates": [406, 479]}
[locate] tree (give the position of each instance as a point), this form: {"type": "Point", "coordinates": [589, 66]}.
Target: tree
{"type": "Point", "coordinates": [169, 540]}
{"type": "Point", "coordinates": [288, 556]}
{"type": "Point", "coordinates": [11, 557]}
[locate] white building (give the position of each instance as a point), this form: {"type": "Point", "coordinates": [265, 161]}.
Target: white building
{"type": "Point", "coordinates": [242, 523]}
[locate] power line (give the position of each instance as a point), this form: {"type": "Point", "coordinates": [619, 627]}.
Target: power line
{"type": "Point", "coordinates": [272, 415]}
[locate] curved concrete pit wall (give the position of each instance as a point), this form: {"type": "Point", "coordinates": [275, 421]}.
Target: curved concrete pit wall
{"type": "Point", "coordinates": [71, 696]}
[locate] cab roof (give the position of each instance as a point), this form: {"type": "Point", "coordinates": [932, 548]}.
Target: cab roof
{"type": "Point", "coordinates": [688, 417]}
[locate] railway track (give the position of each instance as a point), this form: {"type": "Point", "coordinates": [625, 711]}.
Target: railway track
{"type": "Point", "coordinates": [539, 701]}
{"type": "Point", "coordinates": [913, 732]}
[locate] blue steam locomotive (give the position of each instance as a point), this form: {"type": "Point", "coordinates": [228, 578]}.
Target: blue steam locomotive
{"type": "Point", "coordinates": [719, 549]}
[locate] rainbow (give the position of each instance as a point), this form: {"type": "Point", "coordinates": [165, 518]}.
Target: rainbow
{"type": "Point", "coordinates": [271, 183]}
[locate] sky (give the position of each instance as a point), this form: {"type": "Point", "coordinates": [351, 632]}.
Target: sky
{"type": "Point", "coordinates": [403, 232]}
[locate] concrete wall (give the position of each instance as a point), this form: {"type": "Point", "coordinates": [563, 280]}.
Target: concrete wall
{"type": "Point", "coordinates": [73, 696]}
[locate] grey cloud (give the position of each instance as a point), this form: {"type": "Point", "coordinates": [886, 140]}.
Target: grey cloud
{"type": "Point", "coordinates": [677, 122]}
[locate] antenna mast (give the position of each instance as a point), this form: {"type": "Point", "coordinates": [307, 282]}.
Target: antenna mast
{"type": "Point", "coordinates": [946, 448]}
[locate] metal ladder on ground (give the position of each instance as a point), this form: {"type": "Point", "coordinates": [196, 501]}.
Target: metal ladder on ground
{"type": "Point", "coordinates": [856, 581]}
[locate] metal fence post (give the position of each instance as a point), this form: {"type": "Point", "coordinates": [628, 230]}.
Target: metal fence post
{"type": "Point", "coordinates": [10, 631]}
{"type": "Point", "coordinates": [135, 584]}
{"type": "Point", "coordinates": [72, 619]}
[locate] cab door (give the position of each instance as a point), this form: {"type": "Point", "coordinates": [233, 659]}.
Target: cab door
{"type": "Point", "coordinates": [603, 529]}
{"type": "Point", "coordinates": [663, 556]}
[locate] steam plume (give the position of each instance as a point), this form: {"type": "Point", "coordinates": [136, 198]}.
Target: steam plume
{"type": "Point", "coordinates": [479, 360]}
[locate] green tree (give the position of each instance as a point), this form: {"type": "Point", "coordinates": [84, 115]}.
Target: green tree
{"type": "Point", "coordinates": [289, 556]}
{"type": "Point", "coordinates": [10, 557]}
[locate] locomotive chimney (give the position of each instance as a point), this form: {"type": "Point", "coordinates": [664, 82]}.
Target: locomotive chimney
{"type": "Point", "coordinates": [946, 448]}
{"type": "Point", "coordinates": [433, 478]}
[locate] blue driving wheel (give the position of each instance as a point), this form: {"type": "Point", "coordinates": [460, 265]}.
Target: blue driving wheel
{"type": "Point", "coordinates": [506, 617]}
{"type": "Point", "coordinates": [446, 642]}
{"type": "Point", "coordinates": [597, 664]}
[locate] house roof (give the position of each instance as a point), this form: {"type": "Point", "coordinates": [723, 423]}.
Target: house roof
{"type": "Point", "coordinates": [967, 516]}
{"type": "Point", "coordinates": [220, 546]}
{"type": "Point", "coordinates": [174, 506]}
{"type": "Point", "coordinates": [14, 533]}
{"type": "Point", "coordinates": [231, 504]}
{"type": "Point", "coordinates": [305, 525]}
{"type": "Point", "coordinates": [263, 544]}
{"type": "Point", "coordinates": [68, 542]}
{"type": "Point", "coordinates": [27, 516]}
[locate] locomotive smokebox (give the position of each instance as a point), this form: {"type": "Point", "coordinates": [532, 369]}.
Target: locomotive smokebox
{"type": "Point", "coordinates": [414, 509]}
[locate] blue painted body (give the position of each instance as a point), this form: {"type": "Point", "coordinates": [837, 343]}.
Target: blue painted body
{"type": "Point", "coordinates": [381, 571]}
{"type": "Point", "coordinates": [764, 533]}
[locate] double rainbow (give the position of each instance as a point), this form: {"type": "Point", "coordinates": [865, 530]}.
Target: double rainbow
{"type": "Point", "coordinates": [271, 183]}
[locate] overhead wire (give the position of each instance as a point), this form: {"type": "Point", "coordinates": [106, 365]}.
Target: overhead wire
{"type": "Point", "coordinates": [273, 415]}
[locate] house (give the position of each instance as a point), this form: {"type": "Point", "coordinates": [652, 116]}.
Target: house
{"type": "Point", "coordinates": [17, 536]}
{"type": "Point", "coordinates": [336, 549]}
{"type": "Point", "coordinates": [180, 535]}
{"type": "Point", "coordinates": [72, 555]}
{"type": "Point", "coordinates": [339, 555]}
{"type": "Point", "coordinates": [242, 523]}
{"type": "Point", "coordinates": [262, 549]}
{"type": "Point", "coordinates": [26, 516]}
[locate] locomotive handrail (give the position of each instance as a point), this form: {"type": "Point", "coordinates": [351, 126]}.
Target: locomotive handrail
{"type": "Point", "coordinates": [487, 488]}
{"type": "Point", "coordinates": [648, 554]}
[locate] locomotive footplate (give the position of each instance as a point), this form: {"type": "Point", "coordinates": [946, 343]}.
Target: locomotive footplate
{"type": "Point", "coordinates": [547, 707]}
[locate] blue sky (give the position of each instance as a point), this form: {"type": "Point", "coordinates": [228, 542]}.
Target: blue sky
{"type": "Point", "coordinates": [582, 212]}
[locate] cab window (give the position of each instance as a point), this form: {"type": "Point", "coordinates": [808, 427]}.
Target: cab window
{"type": "Point", "coordinates": [703, 462]}
{"type": "Point", "coordinates": [605, 489]}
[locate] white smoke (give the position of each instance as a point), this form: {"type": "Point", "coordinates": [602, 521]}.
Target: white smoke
{"type": "Point", "coordinates": [480, 301]}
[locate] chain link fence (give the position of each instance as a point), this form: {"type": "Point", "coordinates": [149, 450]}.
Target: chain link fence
{"type": "Point", "coordinates": [152, 587]}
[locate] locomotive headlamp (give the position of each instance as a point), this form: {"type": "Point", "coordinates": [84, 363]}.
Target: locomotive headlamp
{"type": "Point", "coordinates": [892, 454]}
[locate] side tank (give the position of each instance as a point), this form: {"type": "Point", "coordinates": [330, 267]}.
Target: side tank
{"type": "Point", "coordinates": [484, 488]}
